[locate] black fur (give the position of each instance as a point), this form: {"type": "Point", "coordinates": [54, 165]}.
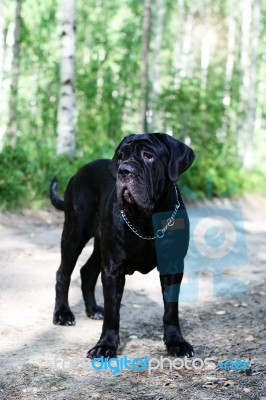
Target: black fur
{"type": "Point", "coordinates": [139, 179]}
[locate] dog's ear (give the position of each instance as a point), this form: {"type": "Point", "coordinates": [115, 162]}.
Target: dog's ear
{"type": "Point", "coordinates": [181, 157]}
{"type": "Point", "coordinates": [114, 162]}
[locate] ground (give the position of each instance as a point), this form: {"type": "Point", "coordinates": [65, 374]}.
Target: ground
{"type": "Point", "coordinates": [43, 361]}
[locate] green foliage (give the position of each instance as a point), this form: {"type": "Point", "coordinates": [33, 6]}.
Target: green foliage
{"type": "Point", "coordinates": [14, 170]}
{"type": "Point", "coordinates": [26, 174]}
{"type": "Point", "coordinates": [107, 88]}
{"type": "Point", "coordinates": [255, 181]}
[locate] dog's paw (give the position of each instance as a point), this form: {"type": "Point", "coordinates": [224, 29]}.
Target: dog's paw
{"type": "Point", "coordinates": [180, 349]}
{"type": "Point", "coordinates": [101, 351]}
{"type": "Point", "coordinates": [96, 313]}
{"type": "Point", "coordinates": [64, 317]}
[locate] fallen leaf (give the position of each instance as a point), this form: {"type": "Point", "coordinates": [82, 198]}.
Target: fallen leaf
{"type": "Point", "coordinates": [220, 312]}
{"type": "Point", "coordinates": [249, 338]}
{"type": "Point", "coordinates": [229, 383]}
{"type": "Point", "coordinates": [133, 337]}
{"type": "Point", "coordinates": [212, 379]}
{"type": "Point", "coordinates": [240, 305]}
{"type": "Point", "coordinates": [210, 385]}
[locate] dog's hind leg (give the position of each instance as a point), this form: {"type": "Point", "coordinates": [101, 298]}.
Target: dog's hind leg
{"type": "Point", "coordinates": [74, 238]}
{"type": "Point", "coordinates": [89, 275]}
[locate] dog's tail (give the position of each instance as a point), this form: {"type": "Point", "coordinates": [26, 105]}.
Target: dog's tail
{"type": "Point", "coordinates": [55, 199]}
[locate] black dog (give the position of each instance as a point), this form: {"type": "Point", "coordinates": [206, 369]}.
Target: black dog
{"type": "Point", "coordinates": [113, 201]}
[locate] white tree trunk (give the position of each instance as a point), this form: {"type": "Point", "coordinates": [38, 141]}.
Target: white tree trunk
{"type": "Point", "coordinates": [229, 117]}
{"type": "Point", "coordinates": [1, 45]}
{"type": "Point", "coordinates": [1, 71]}
{"type": "Point", "coordinates": [205, 59]}
{"type": "Point", "coordinates": [231, 45]}
{"type": "Point", "coordinates": [245, 35]}
{"type": "Point", "coordinates": [8, 59]}
{"type": "Point", "coordinates": [15, 69]}
{"type": "Point", "coordinates": [144, 73]}
{"type": "Point", "coordinates": [154, 119]}
{"type": "Point", "coordinates": [183, 52]}
{"type": "Point", "coordinates": [260, 107]}
{"type": "Point", "coordinates": [244, 70]}
{"type": "Point", "coordinates": [251, 118]}
{"type": "Point", "coordinates": [208, 43]}
{"type": "Point", "coordinates": [66, 108]}
{"type": "Point", "coordinates": [181, 40]}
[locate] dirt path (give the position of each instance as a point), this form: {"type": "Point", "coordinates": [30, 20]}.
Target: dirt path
{"type": "Point", "coordinates": [43, 361]}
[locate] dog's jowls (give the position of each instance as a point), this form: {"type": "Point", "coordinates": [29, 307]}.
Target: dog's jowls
{"type": "Point", "coordinates": [139, 181]}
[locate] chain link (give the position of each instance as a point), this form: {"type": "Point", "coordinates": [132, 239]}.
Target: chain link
{"type": "Point", "coordinates": [160, 233]}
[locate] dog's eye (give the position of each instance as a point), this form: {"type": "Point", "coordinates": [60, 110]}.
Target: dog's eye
{"type": "Point", "coordinates": [147, 156]}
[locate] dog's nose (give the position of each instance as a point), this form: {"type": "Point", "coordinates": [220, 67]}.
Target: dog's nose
{"type": "Point", "coordinates": [125, 170]}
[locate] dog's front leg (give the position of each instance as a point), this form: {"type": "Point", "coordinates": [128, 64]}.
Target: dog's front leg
{"type": "Point", "coordinates": [113, 286]}
{"type": "Point", "coordinates": [175, 343]}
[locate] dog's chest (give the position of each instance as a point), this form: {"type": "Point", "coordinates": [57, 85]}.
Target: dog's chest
{"type": "Point", "coordinates": [140, 257]}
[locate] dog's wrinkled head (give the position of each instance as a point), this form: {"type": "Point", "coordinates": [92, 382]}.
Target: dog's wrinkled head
{"type": "Point", "coordinates": [143, 165]}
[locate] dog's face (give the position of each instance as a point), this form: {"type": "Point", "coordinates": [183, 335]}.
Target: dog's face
{"type": "Point", "coordinates": [143, 165]}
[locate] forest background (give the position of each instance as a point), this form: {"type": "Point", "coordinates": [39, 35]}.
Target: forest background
{"type": "Point", "coordinates": [76, 77]}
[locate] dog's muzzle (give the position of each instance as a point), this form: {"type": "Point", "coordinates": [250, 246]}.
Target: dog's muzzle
{"type": "Point", "coordinates": [125, 172]}
{"type": "Point", "coordinates": [132, 188]}
{"type": "Point", "coordinates": [125, 181]}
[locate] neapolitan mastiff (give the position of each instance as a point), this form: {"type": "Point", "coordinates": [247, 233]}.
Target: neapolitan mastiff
{"type": "Point", "coordinates": [113, 201]}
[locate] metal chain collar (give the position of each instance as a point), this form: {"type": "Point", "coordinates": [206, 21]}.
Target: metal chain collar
{"type": "Point", "coordinates": [160, 233]}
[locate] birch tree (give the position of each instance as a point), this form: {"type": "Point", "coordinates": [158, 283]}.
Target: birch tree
{"type": "Point", "coordinates": [244, 71]}
{"type": "Point", "coordinates": [1, 45]}
{"type": "Point", "coordinates": [179, 56]}
{"type": "Point", "coordinates": [15, 70]}
{"type": "Point", "coordinates": [231, 45]}
{"type": "Point", "coordinates": [183, 52]}
{"type": "Point", "coordinates": [1, 67]}
{"type": "Point", "coordinates": [156, 65]}
{"type": "Point", "coordinates": [144, 73]}
{"type": "Point", "coordinates": [66, 107]}
{"type": "Point", "coordinates": [251, 117]}
{"type": "Point", "coordinates": [208, 42]}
